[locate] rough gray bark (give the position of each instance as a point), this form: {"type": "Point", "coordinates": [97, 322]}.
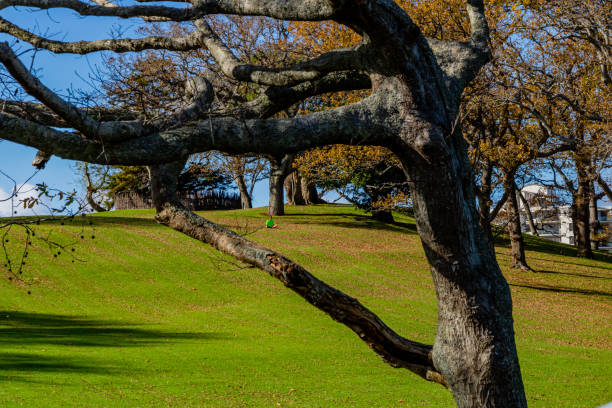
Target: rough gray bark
{"type": "Point", "coordinates": [416, 88]}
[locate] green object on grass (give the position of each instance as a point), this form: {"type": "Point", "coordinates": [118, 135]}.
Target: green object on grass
{"type": "Point", "coordinates": [270, 223]}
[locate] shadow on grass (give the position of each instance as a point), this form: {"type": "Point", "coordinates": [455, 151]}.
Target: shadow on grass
{"type": "Point", "coordinates": [542, 245]}
{"type": "Point", "coordinates": [36, 330]}
{"type": "Point", "coordinates": [18, 328]}
{"type": "Point", "coordinates": [28, 363]}
{"type": "Point", "coordinates": [555, 289]}
{"type": "Point", "coordinates": [575, 274]}
{"type": "Point", "coordinates": [348, 220]}
{"type": "Point", "coordinates": [108, 220]}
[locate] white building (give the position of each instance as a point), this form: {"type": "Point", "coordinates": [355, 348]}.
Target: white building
{"type": "Point", "coordinates": [553, 219]}
{"type": "Point", "coordinates": [604, 215]}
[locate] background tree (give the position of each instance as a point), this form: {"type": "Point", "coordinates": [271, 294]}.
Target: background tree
{"type": "Point", "coordinates": [370, 178]}
{"type": "Point", "coordinates": [94, 179]}
{"type": "Point", "coordinates": [560, 81]}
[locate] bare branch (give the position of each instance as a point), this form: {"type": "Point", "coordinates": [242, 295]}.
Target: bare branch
{"type": "Point", "coordinates": [34, 87]}
{"type": "Point", "coordinates": [190, 42]}
{"type": "Point", "coordinates": [201, 95]}
{"type": "Point", "coordinates": [42, 115]}
{"type": "Point", "coordinates": [75, 117]}
{"type": "Point", "coordinates": [84, 9]}
{"type": "Point", "coordinates": [499, 205]}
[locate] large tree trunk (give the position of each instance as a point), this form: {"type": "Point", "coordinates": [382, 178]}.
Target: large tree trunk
{"type": "Point", "coordinates": [474, 347]}
{"type": "Point", "coordinates": [582, 197]}
{"type": "Point", "coordinates": [309, 191]}
{"type": "Point", "coordinates": [293, 189]}
{"type": "Point", "coordinates": [289, 189]}
{"type": "Point", "coordinates": [279, 169]}
{"type": "Point", "coordinates": [245, 197]}
{"type": "Point", "coordinates": [514, 225]}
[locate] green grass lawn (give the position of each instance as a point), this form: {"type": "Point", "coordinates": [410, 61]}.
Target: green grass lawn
{"type": "Point", "coordinates": [147, 317]}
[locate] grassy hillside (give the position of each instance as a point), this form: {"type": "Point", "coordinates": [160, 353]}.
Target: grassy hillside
{"type": "Point", "coordinates": [148, 317]}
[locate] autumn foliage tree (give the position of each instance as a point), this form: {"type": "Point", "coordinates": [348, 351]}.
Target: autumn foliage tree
{"type": "Point", "coordinates": [560, 82]}
{"type": "Point", "coordinates": [371, 178]}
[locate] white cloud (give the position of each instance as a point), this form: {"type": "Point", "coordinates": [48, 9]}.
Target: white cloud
{"type": "Point", "coordinates": [9, 205]}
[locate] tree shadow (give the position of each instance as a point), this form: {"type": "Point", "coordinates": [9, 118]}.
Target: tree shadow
{"type": "Point", "coordinates": [349, 220]}
{"type": "Point", "coordinates": [607, 268]}
{"type": "Point", "coordinates": [19, 329]}
{"type": "Point", "coordinates": [555, 289]}
{"type": "Point", "coordinates": [575, 274]}
{"type": "Point", "coordinates": [28, 363]}
{"type": "Point", "coordinates": [542, 245]}
{"type": "Point", "coordinates": [109, 220]}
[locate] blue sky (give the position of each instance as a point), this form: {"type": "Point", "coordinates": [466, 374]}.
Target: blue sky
{"type": "Point", "coordinates": [60, 73]}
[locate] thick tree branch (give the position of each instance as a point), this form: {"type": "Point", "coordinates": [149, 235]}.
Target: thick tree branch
{"type": "Point", "coordinates": [40, 114]}
{"type": "Point", "coordinates": [35, 88]}
{"type": "Point", "coordinates": [351, 124]}
{"type": "Point", "coordinates": [461, 61]}
{"type": "Point", "coordinates": [337, 60]}
{"type": "Point", "coordinates": [190, 42]}
{"type": "Point", "coordinates": [311, 10]}
{"type": "Point", "coordinates": [276, 99]}
{"type": "Point", "coordinates": [308, 10]}
{"type": "Point", "coordinates": [479, 28]}
{"type": "Point", "coordinates": [85, 9]}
